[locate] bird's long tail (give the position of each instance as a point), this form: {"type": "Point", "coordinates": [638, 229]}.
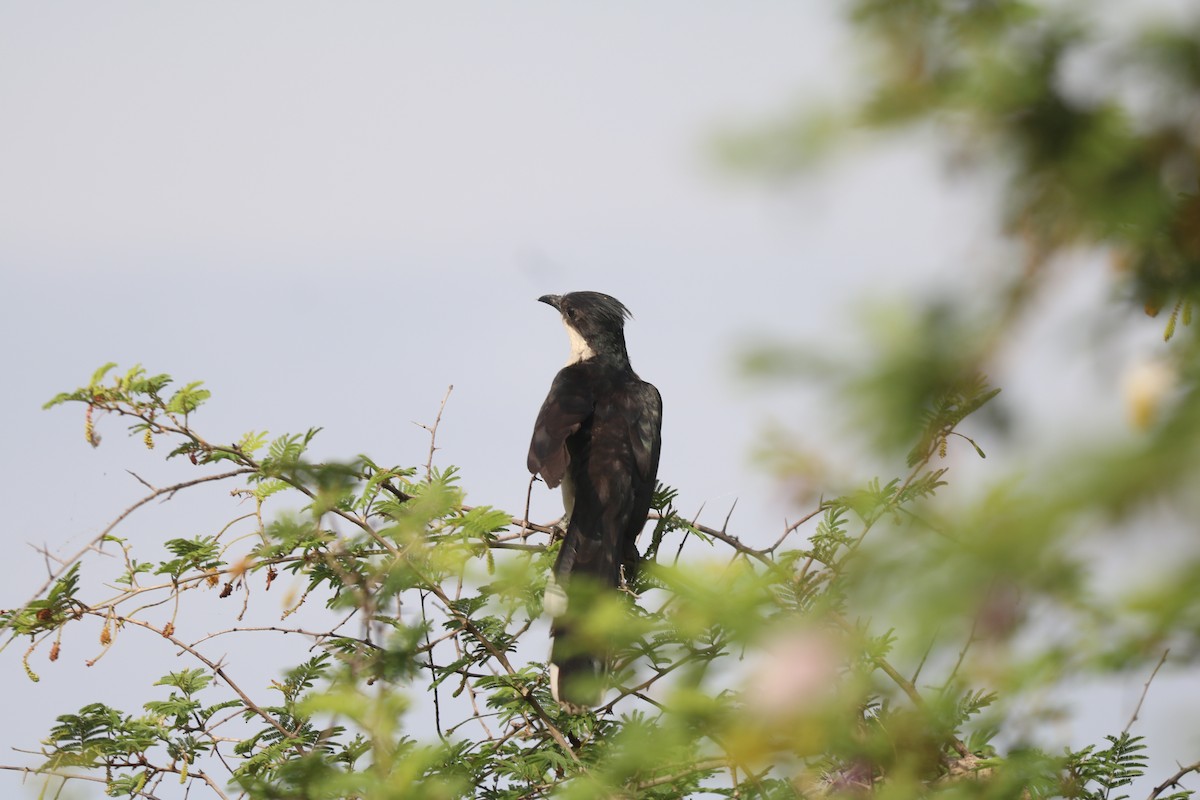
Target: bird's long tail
{"type": "Point", "coordinates": [597, 553]}
{"type": "Point", "coordinates": [577, 675]}
{"type": "Point", "coordinates": [578, 663]}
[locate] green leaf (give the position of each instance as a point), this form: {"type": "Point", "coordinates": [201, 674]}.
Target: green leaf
{"type": "Point", "coordinates": [189, 681]}
{"type": "Point", "coordinates": [98, 375]}
{"type": "Point", "coordinates": [252, 441]}
{"type": "Point", "coordinates": [60, 398]}
{"type": "Point", "coordinates": [187, 399]}
{"type": "Point", "coordinates": [198, 553]}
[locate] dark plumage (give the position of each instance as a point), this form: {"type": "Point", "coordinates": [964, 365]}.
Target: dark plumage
{"type": "Point", "coordinates": [598, 435]}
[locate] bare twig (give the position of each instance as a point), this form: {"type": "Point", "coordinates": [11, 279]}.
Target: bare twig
{"type": "Point", "coordinates": [215, 667]}
{"type": "Point", "coordinates": [265, 628]}
{"type": "Point", "coordinates": [962, 654]}
{"type": "Point", "coordinates": [500, 657]}
{"type": "Point", "coordinates": [71, 776]}
{"type": "Point", "coordinates": [1145, 689]}
{"type": "Point", "coordinates": [790, 529]}
{"type": "Point", "coordinates": [529, 548]}
{"type": "Point", "coordinates": [433, 429]}
{"type": "Point", "coordinates": [437, 702]}
{"type": "Point", "coordinates": [98, 538]}
{"type": "Point", "coordinates": [528, 497]}
{"type": "Point", "coordinates": [708, 765]}
{"type": "Point", "coordinates": [529, 529]}
{"type": "Point", "coordinates": [1173, 780]}
{"type": "Point", "coordinates": [637, 691]}
{"type": "Point", "coordinates": [688, 532]}
{"type": "Point", "coordinates": [924, 658]}
{"type": "Point", "coordinates": [142, 480]}
{"type": "Point", "coordinates": [730, 540]}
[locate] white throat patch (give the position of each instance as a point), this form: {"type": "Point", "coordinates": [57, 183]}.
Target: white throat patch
{"type": "Point", "coordinates": [580, 351]}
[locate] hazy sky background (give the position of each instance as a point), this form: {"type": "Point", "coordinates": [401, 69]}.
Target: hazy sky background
{"type": "Point", "coordinates": [331, 212]}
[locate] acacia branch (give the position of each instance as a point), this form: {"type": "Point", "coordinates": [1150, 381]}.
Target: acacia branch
{"type": "Point", "coordinates": [500, 657]}
{"type": "Point", "coordinates": [100, 537]}
{"type": "Point", "coordinates": [433, 434]}
{"type": "Point", "coordinates": [70, 776]}
{"type": "Point", "coordinates": [1173, 780]}
{"type": "Point", "coordinates": [727, 538]}
{"type": "Point", "coordinates": [709, 765]}
{"type": "Point", "coordinates": [646, 684]}
{"type": "Point", "coordinates": [905, 685]}
{"type": "Point", "coordinates": [187, 583]}
{"type": "Point", "coordinates": [792, 528]}
{"type": "Point", "coordinates": [317, 635]}
{"type": "Point", "coordinates": [215, 667]}
{"type": "Point", "coordinates": [1145, 689]}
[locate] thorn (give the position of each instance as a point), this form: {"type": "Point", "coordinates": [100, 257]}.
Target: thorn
{"type": "Point", "coordinates": [142, 481]}
{"type": "Point", "coordinates": [725, 526]}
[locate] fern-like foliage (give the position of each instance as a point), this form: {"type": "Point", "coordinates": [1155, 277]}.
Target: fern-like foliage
{"type": "Point", "coordinates": [1096, 773]}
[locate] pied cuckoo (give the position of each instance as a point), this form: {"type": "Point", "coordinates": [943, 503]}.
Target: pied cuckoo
{"type": "Point", "coordinates": [598, 434]}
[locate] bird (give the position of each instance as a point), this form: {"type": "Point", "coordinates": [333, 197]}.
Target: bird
{"type": "Point", "coordinates": [598, 435]}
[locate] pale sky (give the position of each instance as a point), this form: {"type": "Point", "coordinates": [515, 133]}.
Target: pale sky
{"type": "Point", "coordinates": [331, 212]}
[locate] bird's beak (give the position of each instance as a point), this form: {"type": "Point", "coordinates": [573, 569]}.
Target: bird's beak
{"type": "Point", "coordinates": [552, 300]}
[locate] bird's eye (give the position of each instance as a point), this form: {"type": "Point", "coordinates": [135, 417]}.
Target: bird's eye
{"type": "Point", "coordinates": [571, 313]}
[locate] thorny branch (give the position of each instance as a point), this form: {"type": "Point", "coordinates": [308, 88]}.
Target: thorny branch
{"type": "Point", "coordinates": [95, 542]}
{"type": "Point", "coordinates": [216, 668]}
{"type": "Point", "coordinates": [1173, 780]}
{"type": "Point", "coordinates": [500, 657]}
{"type": "Point", "coordinates": [199, 775]}
{"type": "Point", "coordinates": [1145, 689]}
{"type": "Point", "coordinates": [433, 429]}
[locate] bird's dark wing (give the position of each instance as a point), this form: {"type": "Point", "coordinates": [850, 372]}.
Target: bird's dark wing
{"type": "Point", "coordinates": [646, 434]}
{"type": "Point", "coordinates": [614, 482]}
{"type": "Point", "coordinates": [566, 408]}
